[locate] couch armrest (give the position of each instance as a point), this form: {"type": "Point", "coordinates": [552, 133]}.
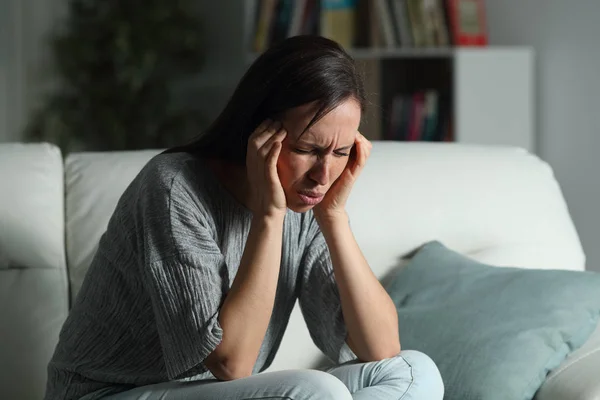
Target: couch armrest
{"type": "Point", "coordinates": [577, 377]}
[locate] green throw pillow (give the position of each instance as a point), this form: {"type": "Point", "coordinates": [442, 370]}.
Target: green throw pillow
{"type": "Point", "coordinates": [494, 332]}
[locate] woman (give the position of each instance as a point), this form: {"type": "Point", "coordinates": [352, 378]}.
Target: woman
{"type": "Point", "coordinates": [192, 286]}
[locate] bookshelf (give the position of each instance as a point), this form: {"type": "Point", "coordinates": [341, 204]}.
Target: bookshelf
{"type": "Point", "coordinates": [477, 95]}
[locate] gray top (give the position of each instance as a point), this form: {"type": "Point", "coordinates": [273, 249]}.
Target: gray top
{"type": "Point", "coordinates": [148, 309]}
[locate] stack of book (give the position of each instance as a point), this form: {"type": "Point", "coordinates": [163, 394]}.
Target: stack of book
{"type": "Point", "coordinates": [421, 116]}
{"type": "Point", "coordinates": [372, 23]}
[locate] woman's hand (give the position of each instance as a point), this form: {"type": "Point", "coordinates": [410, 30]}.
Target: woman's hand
{"type": "Point", "coordinates": [333, 204]}
{"type": "Point", "coordinates": [264, 146]}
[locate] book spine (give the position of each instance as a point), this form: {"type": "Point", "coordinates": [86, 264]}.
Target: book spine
{"type": "Point", "coordinates": [338, 21]}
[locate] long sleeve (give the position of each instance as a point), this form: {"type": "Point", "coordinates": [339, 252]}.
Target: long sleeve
{"type": "Point", "coordinates": [320, 299]}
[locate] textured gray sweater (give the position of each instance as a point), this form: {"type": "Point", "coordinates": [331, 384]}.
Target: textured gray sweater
{"type": "Point", "coordinates": [148, 309]}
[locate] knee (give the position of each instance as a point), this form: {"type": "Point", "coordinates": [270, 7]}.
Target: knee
{"type": "Point", "coordinates": [426, 377]}
{"type": "Point", "coordinates": [318, 385]}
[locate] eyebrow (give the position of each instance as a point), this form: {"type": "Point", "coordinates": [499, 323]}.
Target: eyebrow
{"type": "Point", "coordinates": [302, 140]}
{"type": "Point", "coordinates": [323, 148]}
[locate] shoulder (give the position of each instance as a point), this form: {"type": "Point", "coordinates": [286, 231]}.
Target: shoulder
{"type": "Point", "coordinates": [167, 183]}
{"type": "Point", "coordinates": [175, 175]}
{"type": "Point", "coordinates": [164, 170]}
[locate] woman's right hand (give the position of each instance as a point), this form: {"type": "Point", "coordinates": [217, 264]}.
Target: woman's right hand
{"type": "Point", "coordinates": [264, 147]}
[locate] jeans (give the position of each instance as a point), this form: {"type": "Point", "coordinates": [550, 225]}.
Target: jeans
{"type": "Point", "coordinates": [411, 375]}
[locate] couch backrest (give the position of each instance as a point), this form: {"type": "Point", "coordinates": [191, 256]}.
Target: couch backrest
{"type": "Point", "coordinates": [499, 205]}
{"type": "Point", "coordinates": [94, 183]}
{"type": "Point", "coordinates": [33, 281]}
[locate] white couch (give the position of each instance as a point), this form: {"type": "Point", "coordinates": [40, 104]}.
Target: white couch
{"type": "Point", "coordinates": [499, 205]}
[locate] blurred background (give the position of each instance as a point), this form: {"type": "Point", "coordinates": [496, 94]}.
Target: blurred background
{"type": "Point", "coordinates": [123, 75]}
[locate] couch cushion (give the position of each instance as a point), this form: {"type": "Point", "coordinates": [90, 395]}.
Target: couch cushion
{"type": "Point", "coordinates": [494, 333]}
{"type": "Point", "coordinates": [499, 205]}
{"type": "Point", "coordinates": [33, 282]}
{"type": "Point", "coordinates": [94, 183]}
{"type": "Point", "coordinates": [33, 307]}
{"type": "Point", "coordinates": [31, 206]}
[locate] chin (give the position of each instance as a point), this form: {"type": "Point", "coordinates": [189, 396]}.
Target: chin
{"type": "Point", "coordinates": [300, 208]}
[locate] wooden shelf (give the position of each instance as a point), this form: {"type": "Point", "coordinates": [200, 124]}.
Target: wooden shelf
{"type": "Point", "coordinates": [390, 53]}
{"type": "Point", "coordinates": [379, 53]}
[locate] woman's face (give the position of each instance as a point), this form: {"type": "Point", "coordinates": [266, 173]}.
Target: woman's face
{"type": "Point", "coordinates": [310, 163]}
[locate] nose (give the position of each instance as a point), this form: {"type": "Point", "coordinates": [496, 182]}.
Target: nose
{"type": "Point", "coordinates": [320, 171]}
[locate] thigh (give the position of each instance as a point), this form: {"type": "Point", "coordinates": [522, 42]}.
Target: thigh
{"type": "Point", "coordinates": [410, 375]}
{"type": "Point", "coordinates": [289, 385]}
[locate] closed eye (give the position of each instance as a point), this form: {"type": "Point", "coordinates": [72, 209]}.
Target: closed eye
{"type": "Point", "coordinates": [341, 154]}
{"type": "Point", "coordinates": [300, 151]}
{"type": "Point", "coordinates": [337, 153]}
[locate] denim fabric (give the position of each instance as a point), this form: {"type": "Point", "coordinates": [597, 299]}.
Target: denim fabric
{"type": "Point", "coordinates": [409, 376]}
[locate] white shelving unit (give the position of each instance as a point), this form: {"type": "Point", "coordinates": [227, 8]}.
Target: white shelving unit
{"type": "Point", "coordinates": [490, 90]}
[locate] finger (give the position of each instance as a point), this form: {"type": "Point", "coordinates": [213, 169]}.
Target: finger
{"type": "Point", "coordinates": [277, 137]}
{"type": "Point", "coordinates": [259, 138]}
{"type": "Point", "coordinates": [365, 140]}
{"type": "Point", "coordinates": [272, 162]}
{"type": "Point", "coordinates": [260, 129]}
{"type": "Point", "coordinates": [367, 145]}
{"type": "Point", "coordinates": [263, 125]}
{"type": "Point", "coordinates": [361, 154]}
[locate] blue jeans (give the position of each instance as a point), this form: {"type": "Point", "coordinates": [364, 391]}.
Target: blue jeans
{"type": "Point", "coordinates": [409, 376]}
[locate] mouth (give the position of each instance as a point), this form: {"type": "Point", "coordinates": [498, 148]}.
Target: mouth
{"type": "Point", "coordinates": [310, 198]}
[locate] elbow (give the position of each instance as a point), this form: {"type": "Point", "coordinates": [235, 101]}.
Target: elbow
{"type": "Point", "coordinates": [227, 370]}
{"type": "Point", "coordinates": [233, 372]}
{"type": "Point", "coordinates": [376, 353]}
{"type": "Point", "coordinates": [382, 353]}
{"type": "Point", "coordinates": [390, 351]}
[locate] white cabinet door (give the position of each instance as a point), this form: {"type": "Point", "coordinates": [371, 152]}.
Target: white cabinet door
{"type": "Point", "coordinates": [494, 96]}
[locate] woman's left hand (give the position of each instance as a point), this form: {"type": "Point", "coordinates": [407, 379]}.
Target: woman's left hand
{"type": "Point", "coordinates": [333, 204]}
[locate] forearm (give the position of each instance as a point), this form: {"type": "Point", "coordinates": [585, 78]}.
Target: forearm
{"type": "Point", "coordinates": [245, 314]}
{"type": "Point", "coordinates": [369, 313]}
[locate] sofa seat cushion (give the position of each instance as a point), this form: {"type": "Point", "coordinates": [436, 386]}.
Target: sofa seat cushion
{"type": "Point", "coordinates": [494, 332]}
{"type": "Point", "coordinates": [33, 307]}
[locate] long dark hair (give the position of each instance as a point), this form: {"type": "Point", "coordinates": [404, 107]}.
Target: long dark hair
{"type": "Point", "coordinates": [296, 71]}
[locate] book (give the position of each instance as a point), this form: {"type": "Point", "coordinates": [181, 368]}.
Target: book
{"type": "Point", "coordinates": [266, 12]}
{"type": "Point", "coordinates": [295, 27]}
{"type": "Point", "coordinates": [310, 22]}
{"type": "Point", "coordinates": [385, 23]}
{"type": "Point", "coordinates": [430, 116]}
{"type": "Point", "coordinates": [338, 21]}
{"type": "Point", "coordinates": [395, 128]}
{"type": "Point", "coordinates": [467, 22]}
{"type": "Point", "coordinates": [434, 11]}
{"type": "Point", "coordinates": [282, 20]}
{"type": "Point", "coordinates": [402, 23]}
{"type": "Point", "coordinates": [417, 24]}
{"type": "Point", "coordinates": [415, 129]}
